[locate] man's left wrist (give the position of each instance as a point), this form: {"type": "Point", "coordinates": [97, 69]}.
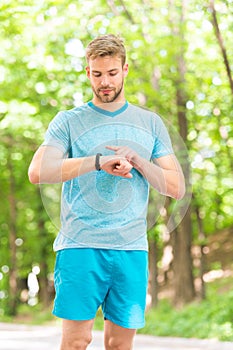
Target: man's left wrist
{"type": "Point", "coordinates": [97, 161]}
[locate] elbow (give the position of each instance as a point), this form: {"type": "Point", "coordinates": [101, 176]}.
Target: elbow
{"type": "Point", "coordinates": [33, 176]}
{"type": "Point", "coordinates": [180, 188]}
{"type": "Point", "coordinates": [179, 196]}
{"type": "Point", "coordinates": [176, 190]}
{"type": "Point", "coordinates": [179, 193]}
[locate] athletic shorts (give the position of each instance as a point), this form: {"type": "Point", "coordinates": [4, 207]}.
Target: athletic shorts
{"type": "Point", "coordinates": [116, 280]}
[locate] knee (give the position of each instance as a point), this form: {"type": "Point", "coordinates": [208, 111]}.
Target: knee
{"type": "Point", "coordinates": [80, 344]}
{"type": "Point", "coordinates": [76, 343]}
{"type": "Point", "coordinates": [116, 344]}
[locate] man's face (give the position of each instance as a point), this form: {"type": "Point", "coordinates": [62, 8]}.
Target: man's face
{"type": "Point", "coordinates": [107, 75]}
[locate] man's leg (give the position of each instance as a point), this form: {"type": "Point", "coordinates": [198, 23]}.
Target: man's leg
{"type": "Point", "coordinates": [76, 335]}
{"type": "Point", "coordinates": [124, 305]}
{"type": "Point", "coordinates": [118, 338]}
{"type": "Point", "coordinates": [81, 283]}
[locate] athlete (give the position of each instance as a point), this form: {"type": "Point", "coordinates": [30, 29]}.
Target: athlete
{"type": "Point", "coordinates": [106, 153]}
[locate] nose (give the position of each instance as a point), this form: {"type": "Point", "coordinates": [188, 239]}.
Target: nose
{"type": "Point", "coordinates": [104, 80]}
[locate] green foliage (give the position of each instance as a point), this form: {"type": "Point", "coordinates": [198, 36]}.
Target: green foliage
{"type": "Point", "coordinates": [195, 321]}
{"type": "Point", "coordinates": [211, 318]}
{"type": "Point", "coordinates": [42, 70]}
{"type": "Point", "coordinates": [35, 315]}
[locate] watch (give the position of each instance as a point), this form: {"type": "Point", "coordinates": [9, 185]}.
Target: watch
{"type": "Point", "coordinates": [97, 161]}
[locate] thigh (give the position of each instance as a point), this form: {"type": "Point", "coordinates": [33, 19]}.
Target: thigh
{"type": "Point", "coordinates": [80, 282]}
{"type": "Point", "coordinates": [126, 299]}
{"type": "Point", "coordinates": [117, 337]}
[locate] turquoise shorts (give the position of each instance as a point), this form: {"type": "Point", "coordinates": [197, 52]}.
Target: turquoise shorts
{"type": "Point", "coordinates": [116, 280]}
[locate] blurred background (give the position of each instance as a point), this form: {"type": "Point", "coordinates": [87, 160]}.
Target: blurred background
{"type": "Point", "coordinates": [180, 57]}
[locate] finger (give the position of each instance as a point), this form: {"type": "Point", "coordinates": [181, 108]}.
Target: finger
{"type": "Point", "coordinates": [122, 170]}
{"type": "Point", "coordinates": [113, 148]}
{"type": "Point", "coordinates": [127, 167]}
{"type": "Point", "coordinates": [126, 175]}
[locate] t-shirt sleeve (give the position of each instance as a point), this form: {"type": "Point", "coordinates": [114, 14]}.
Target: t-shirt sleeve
{"type": "Point", "coordinates": [57, 134]}
{"type": "Point", "coordinates": [162, 144]}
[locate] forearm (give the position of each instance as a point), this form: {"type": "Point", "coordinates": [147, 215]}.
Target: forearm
{"type": "Point", "coordinates": [73, 167]}
{"type": "Point", "coordinates": [49, 166]}
{"type": "Point", "coordinates": [168, 182]}
{"type": "Point", "coordinates": [166, 177]}
{"type": "Point", "coordinates": [59, 170]}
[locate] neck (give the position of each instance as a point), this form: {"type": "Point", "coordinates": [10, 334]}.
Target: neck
{"type": "Point", "coordinates": [109, 106]}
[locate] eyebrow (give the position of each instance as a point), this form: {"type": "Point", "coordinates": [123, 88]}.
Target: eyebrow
{"type": "Point", "coordinates": [109, 71]}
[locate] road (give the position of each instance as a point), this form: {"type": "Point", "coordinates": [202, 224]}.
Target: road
{"type": "Point", "coordinates": [23, 337]}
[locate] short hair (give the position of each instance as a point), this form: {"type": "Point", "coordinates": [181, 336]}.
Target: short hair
{"type": "Point", "coordinates": [106, 45]}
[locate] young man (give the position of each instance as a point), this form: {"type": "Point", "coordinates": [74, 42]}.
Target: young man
{"type": "Point", "coordinates": [106, 153]}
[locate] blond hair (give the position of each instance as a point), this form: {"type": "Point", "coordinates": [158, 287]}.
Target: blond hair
{"type": "Point", "coordinates": [106, 45]}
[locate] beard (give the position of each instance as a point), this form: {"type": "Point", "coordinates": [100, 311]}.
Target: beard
{"type": "Point", "coordinates": [109, 97]}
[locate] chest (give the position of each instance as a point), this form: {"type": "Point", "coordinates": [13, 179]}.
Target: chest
{"type": "Point", "coordinates": [90, 140]}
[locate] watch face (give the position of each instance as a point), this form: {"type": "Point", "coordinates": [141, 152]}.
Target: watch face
{"type": "Point", "coordinates": [97, 161]}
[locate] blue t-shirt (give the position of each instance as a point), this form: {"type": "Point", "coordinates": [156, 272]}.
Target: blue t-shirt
{"type": "Point", "coordinates": [99, 210]}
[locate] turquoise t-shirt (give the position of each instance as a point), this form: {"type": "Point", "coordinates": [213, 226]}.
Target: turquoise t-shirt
{"type": "Point", "coordinates": [99, 210]}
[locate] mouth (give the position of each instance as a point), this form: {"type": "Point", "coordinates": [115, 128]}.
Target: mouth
{"type": "Point", "coordinates": [106, 91]}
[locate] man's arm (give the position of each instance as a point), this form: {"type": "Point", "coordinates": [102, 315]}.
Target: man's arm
{"type": "Point", "coordinates": [48, 165]}
{"type": "Point", "coordinates": [164, 173]}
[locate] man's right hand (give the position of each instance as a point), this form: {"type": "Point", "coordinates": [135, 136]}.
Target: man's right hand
{"type": "Point", "coordinates": [116, 165]}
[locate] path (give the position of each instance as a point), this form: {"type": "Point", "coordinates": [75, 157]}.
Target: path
{"type": "Point", "coordinates": [22, 337]}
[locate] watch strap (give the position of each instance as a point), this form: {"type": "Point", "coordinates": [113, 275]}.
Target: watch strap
{"type": "Point", "coordinates": [97, 161]}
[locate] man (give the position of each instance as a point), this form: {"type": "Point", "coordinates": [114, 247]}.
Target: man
{"type": "Point", "coordinates": [106, 153]}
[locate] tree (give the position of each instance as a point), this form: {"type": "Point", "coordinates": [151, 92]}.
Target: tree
{"type": "Point", "coordinates": [176, 70]}
{"type": "Point", "coordinates": [182, 236]}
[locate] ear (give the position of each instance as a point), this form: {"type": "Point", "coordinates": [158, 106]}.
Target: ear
{"type": "Point", "coordinates": [88, 72]}
{"type": "Point", "coordinates": [125, 69]}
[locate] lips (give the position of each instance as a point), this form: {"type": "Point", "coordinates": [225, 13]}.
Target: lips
{"type": "Point", "coordinates": [106, 91]}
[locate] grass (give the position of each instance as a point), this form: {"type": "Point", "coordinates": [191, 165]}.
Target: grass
{"type": "Point", "coordinates": [35, 315]}
{"type": "Point", "coordinates": [210, 318]}
{"type": "Point", "coordinates": [193, 321]}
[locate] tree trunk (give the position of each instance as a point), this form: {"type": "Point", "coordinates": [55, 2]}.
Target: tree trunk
{"type": "Point", "coordinates": [202, 246]}
{"type": "Point", "coordinates": [182, 264]}
{"type": "Point", "coordinates": [183, 240]}
{"type": "Point", "coordinates": [13, 297]}
{"type": "Point", "coordinates": [153, 251]}
{"type": "Point", "coordinates": [183, 275]}
{"type": "Point", "coordinates": [153, 271]}
{"type": "Point", "coordinates": [44, 269]}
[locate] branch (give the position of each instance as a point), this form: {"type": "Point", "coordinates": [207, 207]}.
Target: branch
{"type": "Point", "coordinates": [128, 14]}
{"type": "Point", "coordinates": [220, 42]}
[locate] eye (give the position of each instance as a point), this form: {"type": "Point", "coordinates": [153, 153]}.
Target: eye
{"type": "Point", "coordinates": [96, 74]}
{"type": "Point", "coordinates": [113, 73]}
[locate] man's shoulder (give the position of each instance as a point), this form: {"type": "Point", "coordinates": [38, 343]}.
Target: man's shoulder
{"type": "Point", "coordinates": [143, 115]}
{"type": "Point", "coordinates": [69, 114]}
{"type": "Point", "coordinates": [144, 111]}
{"type": "Point", "coordinates": [75, 110]}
